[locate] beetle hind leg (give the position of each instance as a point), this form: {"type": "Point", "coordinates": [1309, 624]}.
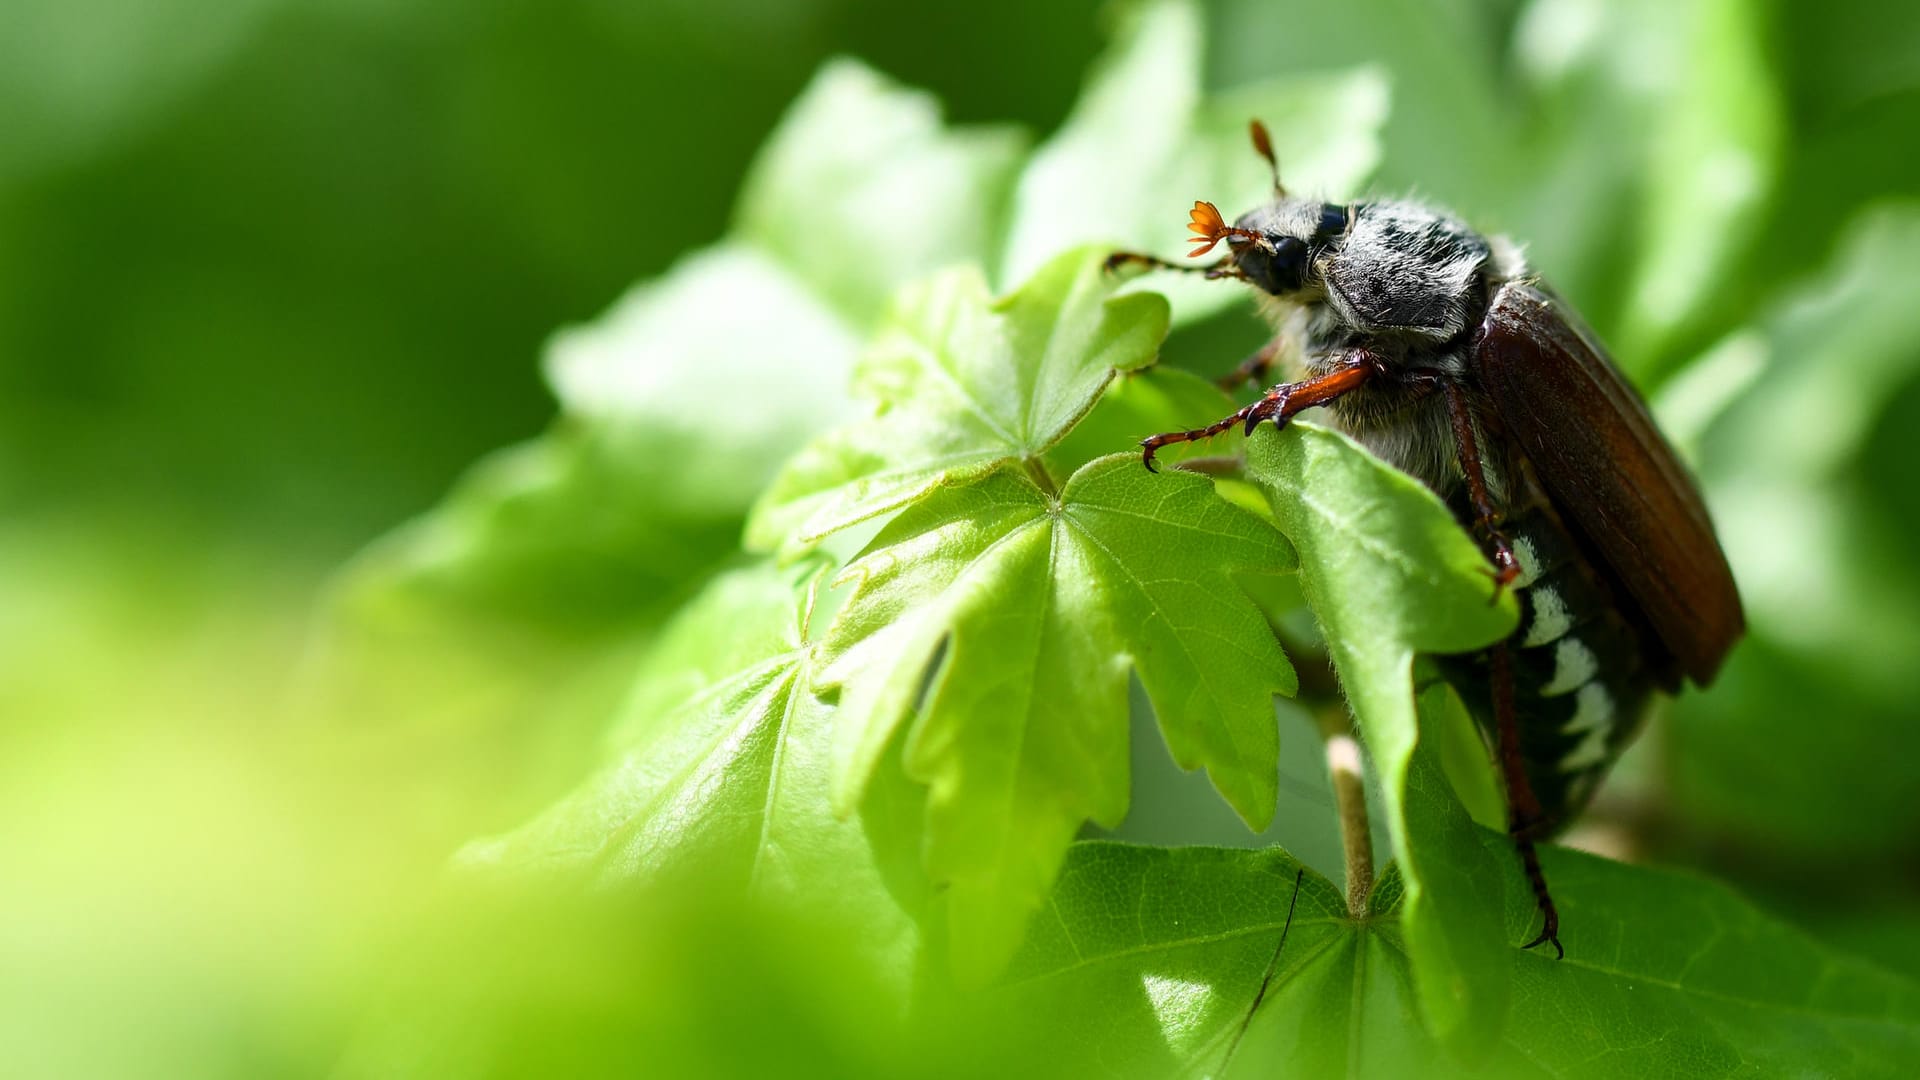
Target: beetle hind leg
{"type": "Point", "coordinates": [1549, 916]}
{"type": "Point", "coordinates": [1525, 820]}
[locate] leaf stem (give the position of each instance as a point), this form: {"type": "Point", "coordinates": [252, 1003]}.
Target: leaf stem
{"type": "Point", "coordinates": [1350, 796]}
{"type": "Point", "coordinates": [1037, 472]}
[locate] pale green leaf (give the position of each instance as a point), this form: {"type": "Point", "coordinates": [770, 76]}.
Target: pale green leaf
{"type": "Point", "coordinates": [961, 383]}
{"type": "Point", "coordinates": [1005, 620]}
{"type": "Point", "coordinates": [862, 188]}
{"type": "Point", "coordinates": [1145, 141]}
{"type": "Point", "coordinates": [674, 377]}
{"type": "Point", "coordinates": [1390, 574]}
{"type": "Point", "coordinates": [1648, 182]}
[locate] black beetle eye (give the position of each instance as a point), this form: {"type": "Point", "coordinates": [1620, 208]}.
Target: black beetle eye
{"type": "Point", "coordinates": [1281, 270]}
{"type": "Point", "coordinates": [1333, 222]}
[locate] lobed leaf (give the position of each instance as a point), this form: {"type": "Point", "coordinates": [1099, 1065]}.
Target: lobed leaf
{"type": "Point", "coordinates": [1005, 619]}
{"type": "Point", "coordinates": [962, 383]}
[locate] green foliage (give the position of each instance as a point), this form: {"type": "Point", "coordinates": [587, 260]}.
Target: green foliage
{"type": "Point", "coordinates": [1023, 612]}
{"type": "Point", "coordinates": [1170, 962]}
{"type": "Point", "coordinates": [728, 786]}
{"type": "Point", "coordinates": [1146, 105]}
{"type": "Point", "coordinates": [677, 406]}
{"type": "Point", "coordinates": [922, 766]}
{"type": "Point", "coordinates": [1390, 575]}
{"type": "Point", "coordinates": [961, 384]}
{"type": "Point", "coordinates": [785, 677]}
{"type": "Point", "coordinates": [1818, 546]}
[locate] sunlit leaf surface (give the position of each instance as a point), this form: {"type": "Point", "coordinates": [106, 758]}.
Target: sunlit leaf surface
{"type": "Point", "coordinates": [960, 383]}
{"type": "Point", "coordinates": [1151, 961]}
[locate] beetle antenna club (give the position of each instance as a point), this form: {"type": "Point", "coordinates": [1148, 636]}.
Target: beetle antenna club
{"type": "Point", "coordinates": [1263, 145]}
{"type": "Point", "coordinates": [1439, 350]}
{"type": "Point", "coordinates": [1209, 228]}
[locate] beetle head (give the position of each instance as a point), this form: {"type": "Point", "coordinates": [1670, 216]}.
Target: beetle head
{"type": "Point", "coordinates": [1273, 245]}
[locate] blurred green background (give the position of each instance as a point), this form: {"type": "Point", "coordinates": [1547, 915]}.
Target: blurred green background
{"type": "Point", "coordinates": [274, 273]}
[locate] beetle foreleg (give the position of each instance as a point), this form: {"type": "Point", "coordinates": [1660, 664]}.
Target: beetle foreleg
{"type": "Point", "coordinates": [1152, 444]}
{"type": "Point", "coordinates": [1279, 405]}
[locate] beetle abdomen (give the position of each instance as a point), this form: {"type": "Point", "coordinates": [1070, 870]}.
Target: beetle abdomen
{"type": "Point", "coordinates": [1581, 681]}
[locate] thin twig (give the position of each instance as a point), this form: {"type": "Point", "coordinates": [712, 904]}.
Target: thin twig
{"type": "Point", "coordinates": [1350, 796]}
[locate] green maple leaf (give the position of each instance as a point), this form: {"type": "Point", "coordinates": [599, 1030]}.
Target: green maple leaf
{"type": "Point", "coordinates": [1159, 962]}
{"type": "Point", "coordinates": [1005, 617]}
{"type": "Point", "coordinates": [962, 383]}
{"type": "Point", "coordinates": [1039, 596]}
{"type": "Point", "coordinates": [1390, 574]}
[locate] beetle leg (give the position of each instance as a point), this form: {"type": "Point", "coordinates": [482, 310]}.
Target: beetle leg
{"type": "Point", "coordinates": [1253, 369]}
{"type": "Point", "coordinates": [1506, 568]}
{"type": "Point", "coordinates": [1151, 445]}
{"type": "Point", "coordinates": [1279, 405]}
{"type": "Point", "coordinates": [1524, 816]}
{"type": "Point", "coordinates": [1134, 259]}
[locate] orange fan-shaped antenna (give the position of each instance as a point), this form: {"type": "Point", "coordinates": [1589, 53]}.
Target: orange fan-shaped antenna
{"type": "Point", "coordinates": [1209, 228]}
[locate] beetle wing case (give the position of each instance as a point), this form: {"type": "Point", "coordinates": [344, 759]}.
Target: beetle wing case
{"type": "Point", "coordinates": [1609, 471]}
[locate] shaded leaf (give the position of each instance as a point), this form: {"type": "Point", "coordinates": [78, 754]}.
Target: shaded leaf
{"type": "Point", "coordinates": [1654, 148]}
{"type": "Point", "coordinates": [1139, 404]}
{"type": "Point", "coordinates": [1008, 619]}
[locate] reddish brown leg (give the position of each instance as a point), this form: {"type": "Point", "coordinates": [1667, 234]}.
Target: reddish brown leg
{"type": "Point", "coordinates": [1523, 808]}
{"type": "Point", "coordinates": [1506, 568]}
{"type": "Point", "coordinates": [1253, 369]}
{"type": "Point", "coordinates": [1279, 405]}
